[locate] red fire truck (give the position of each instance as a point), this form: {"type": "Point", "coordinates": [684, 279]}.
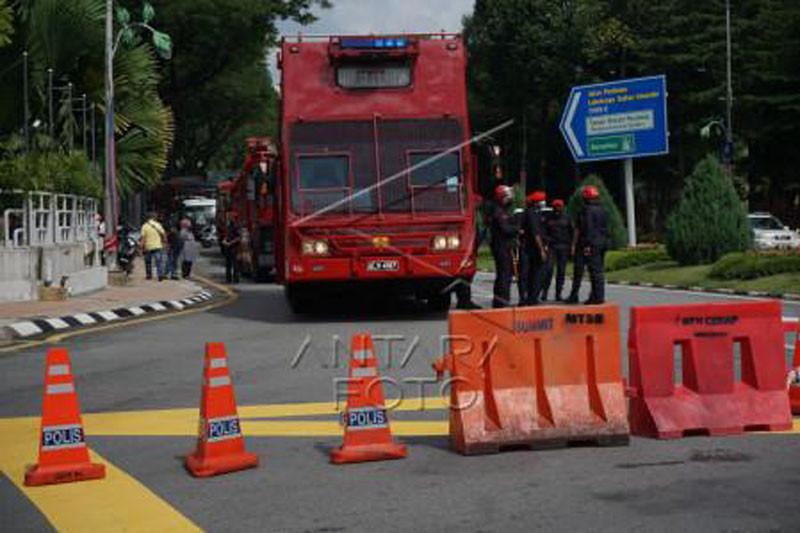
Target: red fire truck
{"type": "Point", "coordinates": [377, 187]}
{"type": "Point", "coordinates": [248, 200]}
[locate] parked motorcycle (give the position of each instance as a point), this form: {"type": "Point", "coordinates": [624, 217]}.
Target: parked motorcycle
{"type": "Point", "coordinates": [208, 235]}
{"type": "Point", "coordinates": [127, 248]}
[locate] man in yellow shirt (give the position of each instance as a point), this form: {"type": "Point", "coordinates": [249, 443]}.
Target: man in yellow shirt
{"type": "Point", "coordinates": [153, 239]}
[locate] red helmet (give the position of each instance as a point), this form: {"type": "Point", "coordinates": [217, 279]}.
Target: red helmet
{"type": "Point", "coordinates": [558, 204]}
{"type": "Point", "coordinates": [503, 192]}
{"type": "Point", "coordinates": [536, 196]}
{"type": "Point", "coordinates": [590, 192]}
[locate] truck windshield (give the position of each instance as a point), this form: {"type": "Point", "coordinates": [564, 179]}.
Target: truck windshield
{"type": "Point", "coordinates": [322, 181]}
{"type": "Point", "coordinates": [384, 149]}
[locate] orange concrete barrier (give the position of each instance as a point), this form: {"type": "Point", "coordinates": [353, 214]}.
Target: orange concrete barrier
{"type": "Point", "coordinates": [63, 456]}
{"type": "Point", "coordinates": [709, 397]}
{"type": "Point", "coordinates": [220, 443]}
{"type": "Point", "coordinates": [367, 436]}
{"type": "Point", "coordinates": [535, 377]}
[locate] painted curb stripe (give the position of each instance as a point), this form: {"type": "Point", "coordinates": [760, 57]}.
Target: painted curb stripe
{"type": "Point", "coordinates": [39, 326]}
{"type": "Point", "coordinates": [25, 329]}
{"type": "Point", "coordinates": [85, 319]}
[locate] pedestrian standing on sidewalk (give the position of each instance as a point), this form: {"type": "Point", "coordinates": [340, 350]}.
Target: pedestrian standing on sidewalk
{"type": "Point", "coordinates": [189, 254]}
{"type": "Point", "coordinates": [175, 248]}
{"type": "Point", "coordinates": [153, 239]}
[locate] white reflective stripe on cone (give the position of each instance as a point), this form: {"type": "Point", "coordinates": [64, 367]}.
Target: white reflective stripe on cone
{"type": "Point", "coordinates": [367, 372]}
{"type": "Point", "coordinates": [58, 370]}
{"type": "Point", "coordinates": [220, 362]}
{"type": "Point", "coordinates": [219, 381]}
{"type": "Point", "coordinates": [61, 388]}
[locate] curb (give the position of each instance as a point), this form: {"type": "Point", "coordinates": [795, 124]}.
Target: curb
{"type": "Point", "coordinates": [38, 326]}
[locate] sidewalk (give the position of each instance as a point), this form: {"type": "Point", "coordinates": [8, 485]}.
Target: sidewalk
{"type": "Point", "coordinates": [138, 297]}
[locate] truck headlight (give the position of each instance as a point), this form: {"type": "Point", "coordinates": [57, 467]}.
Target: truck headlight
{"type": "Point", "coordinates": [446, 242]}
{"type": "Point", "coordinates": [314, 247]}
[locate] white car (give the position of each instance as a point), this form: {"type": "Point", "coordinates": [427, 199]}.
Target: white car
{"type": "Point", "coordinates": [769, 233]}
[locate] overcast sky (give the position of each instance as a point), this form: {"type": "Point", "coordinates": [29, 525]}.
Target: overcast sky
{"type": "Point", "coordinates": [356, 17]}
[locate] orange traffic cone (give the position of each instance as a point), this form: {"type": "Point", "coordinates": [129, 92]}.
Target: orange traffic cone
{"type": "Point", "coordinates": [367, 436]}
{"type": "Point", "coordinates": [220, 444]}
{"type": "Point", "coordinates": [63, 456]}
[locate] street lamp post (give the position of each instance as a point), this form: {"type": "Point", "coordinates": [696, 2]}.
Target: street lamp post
{"type": "Point", "coordinates": [50, 102]}
{"type": "Point", "coordinates": [25, 99]}
{"type": "Point", "coordinates": [163, 45]}
{"type": "Point", "coordinates": [729, 127]}
{"type": "Point", "coordinates": [83, 117]}
{"type": "Point", "coordinates": [109, 206]}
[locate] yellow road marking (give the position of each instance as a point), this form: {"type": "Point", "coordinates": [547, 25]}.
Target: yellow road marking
{"type": "Point", "coordinates": [183, 422]}
{"type": "Point", "coordinates": [58, 337]}
{"type": "Point", "coordinates": [117, 502]}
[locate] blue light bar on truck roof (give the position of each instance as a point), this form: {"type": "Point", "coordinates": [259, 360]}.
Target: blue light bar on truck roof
{"type": "Point", "coordinates": [373, 43]}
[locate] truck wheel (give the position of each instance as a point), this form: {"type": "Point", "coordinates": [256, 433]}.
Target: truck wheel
{"type": "Point", "coordinates": [439, 302]}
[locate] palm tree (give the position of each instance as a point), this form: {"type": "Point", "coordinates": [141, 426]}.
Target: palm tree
{"type": "Point", "coordinates": [69, 38]}
{"type": "Point", "coordinates": [6, 23]}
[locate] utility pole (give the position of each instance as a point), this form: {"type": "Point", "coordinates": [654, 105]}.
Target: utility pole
{"type": "Point", "coordinates": [50, 102]}
{"type": "Point", "coordinates": [729, 127]}
{"type": "Point", "coordinates": [94, 144]}
{"type": "Point", "coordinates": [109, 208]}
{"type": "Point", "coordinates": [83, 123]}
{"type": "Point", "coordinates": [523, 174]}
{"type": "Point", "coordinates": [70, 131]}
{"type": "Point", "coordinates": [25, 100]}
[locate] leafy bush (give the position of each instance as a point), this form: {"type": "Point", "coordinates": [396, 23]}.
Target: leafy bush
{"type": "Point", "coordinates": [710, 220]}
{"type": "Point", "coordinates": [616, 227]}
{"type": "Point", "coordinates": [750, 265]}
{"type": "Point", "coordinates": [48, 169]}
{"type": "Point", "coordinates": [622, 259]}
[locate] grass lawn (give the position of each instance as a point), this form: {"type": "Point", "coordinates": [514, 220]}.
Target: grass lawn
{"type": "Point", "coordinates": [670, 273]}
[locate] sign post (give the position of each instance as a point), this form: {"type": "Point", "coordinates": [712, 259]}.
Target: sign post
{"type": "Point", "coordinates": [618, 120]}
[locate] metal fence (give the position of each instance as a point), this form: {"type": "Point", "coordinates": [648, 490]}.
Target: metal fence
{"type": "Point", "coordinates": [41, 219]}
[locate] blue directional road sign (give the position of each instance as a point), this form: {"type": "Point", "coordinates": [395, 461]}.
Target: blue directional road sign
{"type": "Point", "coordinates": [617, 120]}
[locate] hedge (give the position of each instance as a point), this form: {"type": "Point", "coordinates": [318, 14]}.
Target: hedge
{"type": "Point", "coordinates": [750, 265]}
{"type": "Point", "coordinates": [622, 259]}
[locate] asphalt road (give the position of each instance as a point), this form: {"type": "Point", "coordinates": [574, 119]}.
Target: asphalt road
{"type": "Point", "coordinates": [743, 483]}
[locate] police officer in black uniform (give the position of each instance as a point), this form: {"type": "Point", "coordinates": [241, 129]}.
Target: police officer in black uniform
{"type": "Point", "coordinates": [503, 233]}
{"type": "Point", "coordinates": [589, 247]}
{"type": "Point", "coordinates": [535, 247]}
{"type": "Point", "coordinates": [559, 239]}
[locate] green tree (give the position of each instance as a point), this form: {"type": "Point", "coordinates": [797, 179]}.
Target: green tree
{"type": "Point", "coordinates": [6, 23]}
{"type": "Point", "coordinates": [69, 37]}
{"type": "Point", "coordinates": [710, 220]}
{"type": "Point", "coordinates": [524, 57]}
{"type": "Point", "coordinates": [217, 81]}
{"type": "Point", "coordinates": [768, 104]}
{"type": "Point", "coordinates": [616, 227]}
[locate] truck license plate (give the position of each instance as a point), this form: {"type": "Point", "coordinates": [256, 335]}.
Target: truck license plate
{"type": "Point", "coordinates": [383, 265]}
